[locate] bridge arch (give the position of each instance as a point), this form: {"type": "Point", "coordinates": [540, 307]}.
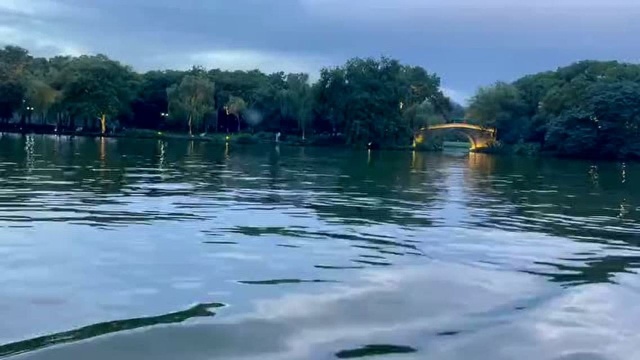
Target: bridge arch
{"type": "Point", "coordinates": [479, 137]}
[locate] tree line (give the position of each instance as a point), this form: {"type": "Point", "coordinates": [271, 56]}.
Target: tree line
{"type": "Point", "coordinates": [362, 101]}
{"type": "Point", "coordinates": [588, 109]}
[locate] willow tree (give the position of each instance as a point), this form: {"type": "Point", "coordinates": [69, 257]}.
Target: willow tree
{"type": "Point", "coordinates": [41, 96]}
{"type": "Point", "coordinates": [192, 100]}
{"type": "Point", "coordinates": [236, 106]}
{"type": "Point", "coordinates": [296, 101]}
{"type": "Point", "coordinates": [14, 62]}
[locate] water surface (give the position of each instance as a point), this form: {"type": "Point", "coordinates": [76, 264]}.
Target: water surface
{"type": "Point", "coordinates": [133, 249]}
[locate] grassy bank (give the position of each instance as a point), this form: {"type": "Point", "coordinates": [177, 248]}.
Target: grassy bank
{"type": "Point", "coordinates": [242, 138]}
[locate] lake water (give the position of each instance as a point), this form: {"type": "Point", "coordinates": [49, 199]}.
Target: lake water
{"type": "Point", "coordinates": [140, 249]}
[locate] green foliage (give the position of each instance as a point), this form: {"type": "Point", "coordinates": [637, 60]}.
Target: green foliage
{"type": "Point", "coordinates": [151, 104]}
{"type": "Point", "coordinates": [14, 63]}
{"type": "Point", "coordinates": [457, 111]}
{"type": "Point", "coordinates": [296, 101]}
{"type": "Point", "coordinates": [605, 124]}
{"type": "Point", "coordinates": [589, 109]}
{"type": "Point", "coordinates": [421, 115]}
{"type": "Point", "coordinates": [236, 106]}
{"type": "Point", "coordinates": [41, 96]}
{"type": "Point", "coordinates": [433, 143]}
{"type": "Point", "coordinates": [96, 87]}
{"type": "Point", "coordinates": [366, 100]}
{"type": "Point", "coordinates": [191, 101]}
{"type": "Point", "coordinates": [499, 106]}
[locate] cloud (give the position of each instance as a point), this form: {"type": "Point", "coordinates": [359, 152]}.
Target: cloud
{"type": "Point", "coordinates": [35, 26]}
{"type": "Point", "coordinates": [39, 8]}
{"type": "Point", "coordinates": [409, 306]}
{"type": "Point", "coordinates": [395, 306]}
{"type": "Point", "coordinates": [247, 59]}
{"type": "Point", "coordinates": [34, 7]}
{"type": "Point", "coordinates": [399, 6]}
{"type": "Point", "coordinates": [38, 43]}
{"type": "Point", "coordinates": [468, 43]}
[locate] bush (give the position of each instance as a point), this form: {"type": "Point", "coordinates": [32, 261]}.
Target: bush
{"type": "Point", "coordinates": [526, 149]}
{"type": "Point", "coordinates": [431, 143]}
{"type": "Point", "coordinates": [265, 136]}
{"type": "Point", "coordinates": [496, 148]}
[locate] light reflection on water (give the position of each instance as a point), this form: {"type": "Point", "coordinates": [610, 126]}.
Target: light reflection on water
{"type": "Point", "coordinates": [315, 253]}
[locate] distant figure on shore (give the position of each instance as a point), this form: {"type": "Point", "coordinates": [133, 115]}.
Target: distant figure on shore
{"type": "Point", "coordinates": [278, 137]}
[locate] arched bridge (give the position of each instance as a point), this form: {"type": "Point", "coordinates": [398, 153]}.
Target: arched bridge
{"type": "Point", "coordinates": [479, 137]}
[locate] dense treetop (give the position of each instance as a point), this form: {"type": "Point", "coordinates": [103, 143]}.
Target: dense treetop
{"type": "Point", "coordinates": [365, 100]}
{"type": "Point", "coordinates": [588, 109]}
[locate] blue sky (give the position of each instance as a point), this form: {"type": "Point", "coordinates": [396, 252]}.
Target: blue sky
{"type": "Point", "coordinates": [469, 43]}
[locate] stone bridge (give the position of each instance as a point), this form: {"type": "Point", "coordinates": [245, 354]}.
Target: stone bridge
{"type": "Point", "coordinates": [479, 137]}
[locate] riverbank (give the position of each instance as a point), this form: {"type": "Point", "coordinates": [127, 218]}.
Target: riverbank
{"type": "Point", "coordinates": [219, 138]}
{"type": "Point", "coordinates": [334, 141]}
{"type": "Point", "coordinates": [515, 150]}
{"type": "Point", "coordinates": [537, 150]}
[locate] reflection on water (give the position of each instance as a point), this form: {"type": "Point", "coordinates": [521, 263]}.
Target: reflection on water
{"type": "Point", "coordinates": [319, 253]}
{"type": "Point", "coordinates": [92, 331]}
{"type": "Point", "coordinates": [374, 350]}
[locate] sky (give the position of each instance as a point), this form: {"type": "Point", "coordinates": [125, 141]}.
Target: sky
{"type": "Point", "coordinates": [468, 43]}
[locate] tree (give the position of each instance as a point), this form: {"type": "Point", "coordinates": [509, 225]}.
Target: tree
{"type": "Point", "coordinates": [192, 100]}
{"type": "Point", "coordinates": [457, 111]}
{"type": "Point", "coordinates": [422, 87]}
{"type": "Point", "coordinates": [586, 109]}
{"type": "Point", "coordinates": [365, 99]}
{"type": "Point", "coordinates": [236, 107]}
{"type": "Point", "coordinates": [606, 124]}
{"type": "Point", "coordinates": [589, 108]}
{"type": "Point", "coordinates": [499, 106]}
{"type": "Point", "coordinates": [151, 104]}
{"type": "Point", "coordinates": [266, 105]}
{"type": "Point", "coordinates": [41, 96]}
{"type": "Point", "coordinates": [330, 94]}
{"type": "Point", "coordinates": [14, 63]}
{"type": "Point", "coordinates": [422, 115]}
{"type": "Point", "coordinates": [296, 101]}
{"type": "Point", "coordinates": [98, 87]}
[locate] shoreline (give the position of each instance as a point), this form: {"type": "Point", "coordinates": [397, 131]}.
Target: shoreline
{"type": "Point", "coordinates": [262, 138]}
{"type": "Point", "coordinates": [216, 138]}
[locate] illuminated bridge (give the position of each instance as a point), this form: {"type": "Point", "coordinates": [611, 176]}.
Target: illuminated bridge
{"type": "Point", "coordinates": [479, 137]}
